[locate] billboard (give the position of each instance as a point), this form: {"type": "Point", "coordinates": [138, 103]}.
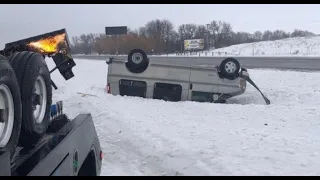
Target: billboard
{"type": "Point", "coordinates": [116, 30]}
{"type": "Point", "coordinates": [193, 44]}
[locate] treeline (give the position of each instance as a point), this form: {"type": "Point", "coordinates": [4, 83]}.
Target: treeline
{"type": "Point", "coordinates": [160, 37]}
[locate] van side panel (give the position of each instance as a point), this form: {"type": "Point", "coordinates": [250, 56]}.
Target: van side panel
{"type": "Point", "coordinates": [191, 78]}
{"type": "Point", "coordinates": [114, 85]}
{"type": "Point", "coordinates": [154, 71]}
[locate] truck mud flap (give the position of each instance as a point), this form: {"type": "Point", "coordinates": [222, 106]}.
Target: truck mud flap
{"type": "Point", "coordinates": [249, 80]}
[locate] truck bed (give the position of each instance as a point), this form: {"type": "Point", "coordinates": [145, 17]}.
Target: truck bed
{"type": "Point", "coordinates": [52, 154]}
{"type": "Point", "coordinates": [22, 155]}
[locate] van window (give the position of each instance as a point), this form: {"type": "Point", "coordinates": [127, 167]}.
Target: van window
{"type": "Point", "coordinates": [201, 96]}
{"type": "Point", "coordinates": [167, 92]}
{"type": "Point", "coordinates": [132, 88]}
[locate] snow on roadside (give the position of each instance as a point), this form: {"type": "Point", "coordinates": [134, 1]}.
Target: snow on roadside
{"type": "Point", "coordinates": [298, 46]}
{"type": "Point", "coordinates": [153, 137]}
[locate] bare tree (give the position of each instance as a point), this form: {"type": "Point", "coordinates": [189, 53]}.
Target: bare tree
{"type": "Point", "coordinates": [200, 32]}
{"type": "Point", "coordinates": [158, 36]}
{"type": "Point", "coordinates": [258, 36]}
{"type": "Point", "coordinates": [219, 33]}
{"type": "Point", "coordinates": [267, 36]}
{"type": "Point", "coordinates": [301, 33]}
{"type": "Point", "coordinates": [187, 31]}
{"type": "Point", "coordinates": [142, 31]}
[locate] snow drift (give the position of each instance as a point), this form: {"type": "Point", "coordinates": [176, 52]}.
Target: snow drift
{"type": "Point", "coordinates": [299, 46]}
{"type": "Point", "coordinates": [243, 137]}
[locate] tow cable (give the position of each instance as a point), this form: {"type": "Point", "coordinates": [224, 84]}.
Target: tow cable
{"type": "Point", "coordinates": [249, 80]}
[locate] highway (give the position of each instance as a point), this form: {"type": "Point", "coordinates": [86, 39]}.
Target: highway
{"type": "Point", "coordinates": [295, 63]}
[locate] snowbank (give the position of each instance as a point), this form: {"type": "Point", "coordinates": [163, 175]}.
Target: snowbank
{"type": "Point", "coordinates": [244, 137]}
{"type": "Point", "coordinates": [300, 46]}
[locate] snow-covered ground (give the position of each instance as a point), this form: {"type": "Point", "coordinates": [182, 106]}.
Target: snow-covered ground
{"type": "Point", "coordinates": [300, 46]}
{"type": "Point", "coordinates": [243, 137]}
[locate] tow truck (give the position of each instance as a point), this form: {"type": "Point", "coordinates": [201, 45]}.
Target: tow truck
{"type": "Point", "coordinates": [36, 136]}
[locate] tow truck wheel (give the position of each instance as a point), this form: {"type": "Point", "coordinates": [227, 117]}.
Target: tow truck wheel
{"type": "Point", "coordinates": [137, 61]}
{"type": "Point", "coordinates": [230, 68]}
{"type": "Point", "coordinates": [10, 108]}
{"type": "Point", "coordinates": [36, 94]}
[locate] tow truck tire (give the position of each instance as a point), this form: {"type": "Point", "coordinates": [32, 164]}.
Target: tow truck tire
{"type": "Point", "coordinates": [137, 61]}
{"type": "Point", "coordinates": [36, 95]}
{"type": "Point", "coordinates": [10, 95]}
{"type": "Point", "coordinates": [229, 68]}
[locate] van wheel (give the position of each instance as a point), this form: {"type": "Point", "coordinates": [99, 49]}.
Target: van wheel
{"type": "Point", "coordinates": [36, 95]}
{"type": "Point", "coordinates": [137, 61]}
{"type": "Point", "coordinates": [230, 68]}
{"type": "Point", "coordinates": [10, 108]}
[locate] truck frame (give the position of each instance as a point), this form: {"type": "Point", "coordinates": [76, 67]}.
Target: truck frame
{"type": "Point", "coordinates": [36, 137]}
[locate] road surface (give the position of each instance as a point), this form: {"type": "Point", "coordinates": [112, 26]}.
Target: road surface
{"type": "Point", "coordinates": [298, 63]}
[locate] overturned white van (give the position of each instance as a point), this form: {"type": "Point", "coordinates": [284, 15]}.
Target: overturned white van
{"type": "Point", "coordinates": [138, 76]}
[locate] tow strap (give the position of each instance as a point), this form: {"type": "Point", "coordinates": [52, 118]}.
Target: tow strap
{"type": "Point", "coordinates": [249, 80]}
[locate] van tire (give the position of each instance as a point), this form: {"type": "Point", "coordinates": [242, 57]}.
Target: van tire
{"type": "Point", "coordinates": [137, 61]}
{"type": "Point", "coordinates": [9, 79]}
{"type": "Point", "coordinates": [33, 75]}
{"type": "Point", "coordinates": [229, 68]}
